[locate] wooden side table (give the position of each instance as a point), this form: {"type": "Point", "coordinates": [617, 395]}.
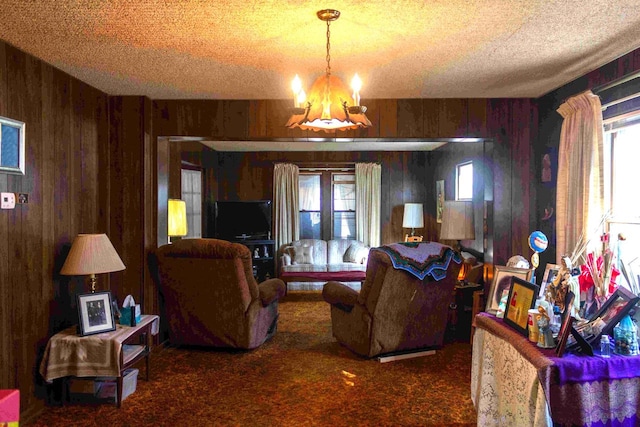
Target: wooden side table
{"type": "Point", "coordinates": [101, 355]}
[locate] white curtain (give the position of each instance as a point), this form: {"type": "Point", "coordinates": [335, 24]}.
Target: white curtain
{"type": "Point", "coordinates": [285, 205]}
{"type": "Point", "coordinates": [368, 203]}
{"type": "Point", "coordinates": [580, 194]}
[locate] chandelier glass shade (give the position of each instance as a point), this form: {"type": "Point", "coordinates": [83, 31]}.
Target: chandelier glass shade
{"type": "Point", "coordinates": [330, 105]}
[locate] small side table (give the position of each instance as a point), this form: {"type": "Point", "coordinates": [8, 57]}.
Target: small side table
{"type": "Point", "coordinates": [101, 355]}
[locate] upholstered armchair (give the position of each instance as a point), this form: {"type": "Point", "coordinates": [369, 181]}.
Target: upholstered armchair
{"type": "Point", "coordinates": [395, 310]}
{"type": "Point", "coordinates": [210, 297]}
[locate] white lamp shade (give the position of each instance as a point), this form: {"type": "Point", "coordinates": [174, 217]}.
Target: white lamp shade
{"type": "Point", "coordinates": [413, 217]}
{"type": "Point", "coordinates": [177, 217]}
{"type": "Point", "coordinates": [91, 254]}
{"type": "Point", "coordinates": [457, 221]}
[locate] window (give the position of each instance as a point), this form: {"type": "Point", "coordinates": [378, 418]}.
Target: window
{"type": "Point", "coordinates": [621, 154]}
{"type": "Point", "coordinates": [464, 181]}
{"type": "Point", "coordinates": [327, 205]}
{"type": "Point", "coordinates": [192, 195]}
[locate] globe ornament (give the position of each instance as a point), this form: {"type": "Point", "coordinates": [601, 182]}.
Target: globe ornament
{"type": "Point", "coordinates": [538, 242]}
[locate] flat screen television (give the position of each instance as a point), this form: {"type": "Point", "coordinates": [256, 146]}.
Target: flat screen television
{"type": "Point", "coordinates": [243, 220]}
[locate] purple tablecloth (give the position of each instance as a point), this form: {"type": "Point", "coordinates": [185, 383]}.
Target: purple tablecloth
{"type": "Point", "coordinates": [580, 390]}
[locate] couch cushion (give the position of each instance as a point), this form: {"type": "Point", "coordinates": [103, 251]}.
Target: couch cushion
{"type": "Point", "coordinates": [357, 252]}
{"type": "Point", "coordinates": [302, 255]}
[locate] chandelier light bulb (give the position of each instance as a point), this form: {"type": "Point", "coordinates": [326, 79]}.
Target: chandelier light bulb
{"type": "Point", "coordinates": [356, 85]}
{"type": "Point", "coordinates": [296, 86]}
{"type": "Point", "coordinates": [302, 97]}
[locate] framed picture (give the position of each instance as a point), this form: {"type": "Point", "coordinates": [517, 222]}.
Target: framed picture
{"type": "Point", "coordinates": [12, 146]}
{"type": "Point", "coordinates": [567, 324]}
{"type": "Point", "coordinates": [522, 297]}
{"type": "Point", "coordinates": [606, 318]}
{"type": "Point", "coordinates": [95, 313]}
{"type": "Point", "coordinates": [501, 284]}
{"type": "Point", "coordinates": [439, 200]}
{"type": "Point", "coordinates": [550, 273]}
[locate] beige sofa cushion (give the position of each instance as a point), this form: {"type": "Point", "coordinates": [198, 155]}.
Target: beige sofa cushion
{"type": "Point", "coordinates": [303, 255]}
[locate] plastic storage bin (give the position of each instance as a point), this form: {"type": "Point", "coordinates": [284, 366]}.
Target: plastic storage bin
{"type": "Point", "coordinates": [105, 388]}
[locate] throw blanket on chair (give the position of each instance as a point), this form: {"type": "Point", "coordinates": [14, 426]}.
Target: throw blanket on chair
{"type": "Point", "coordinates": [421, 258]}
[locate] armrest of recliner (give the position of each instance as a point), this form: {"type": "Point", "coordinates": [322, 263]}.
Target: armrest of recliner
{"type": "Point", "coordinates": [340, 295]}
{"type": "Point", "coordinates": [271, 290]}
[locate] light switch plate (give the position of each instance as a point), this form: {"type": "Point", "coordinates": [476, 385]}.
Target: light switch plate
{"type": "Point", "coordinates": [7, 200]}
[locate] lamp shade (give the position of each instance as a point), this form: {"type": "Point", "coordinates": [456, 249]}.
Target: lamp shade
{"type": "Point", "coordinates": [91, 254]}
{"type": "Point", "coordinates": [177, 218]}
{"type": "Point", "coordinates": [413, 217]}
{"type": "Point", "coordinates": [457, 221]}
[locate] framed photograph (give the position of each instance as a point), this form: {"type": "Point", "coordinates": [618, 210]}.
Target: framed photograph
{"type": "Point", "coordinates": [550, 273]}
{"type": "Point", "coordinates": [606, 318]}
{"type": "Point", "coordinates": [567, 324]}
{"type": "Point", "coordinates": [522, 297]}
{"type": "Point", "coordinates": [12, 146]}
{"type": "Point", "coordinates": [439, 200]}
{"type": "Point", "coordinates": [95, 313]}
{"type": "Point", "coordinates": [501, 284]}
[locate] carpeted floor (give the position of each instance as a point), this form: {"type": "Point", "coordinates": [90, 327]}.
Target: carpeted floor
{"type": "Point", "coordinates": [302, 377]}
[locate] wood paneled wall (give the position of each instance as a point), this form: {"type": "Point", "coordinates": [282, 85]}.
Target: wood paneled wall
{"type": "Point", "coordinates": [507, 122]}
{"type": "Point", "coordinates": [66, 157]}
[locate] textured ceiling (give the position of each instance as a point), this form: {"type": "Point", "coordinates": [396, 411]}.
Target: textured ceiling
{"type": "Point", "coordinates": [239, 49]}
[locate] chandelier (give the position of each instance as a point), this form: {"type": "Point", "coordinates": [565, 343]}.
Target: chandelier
{"type": "Point", "coordinates": [327, 108]}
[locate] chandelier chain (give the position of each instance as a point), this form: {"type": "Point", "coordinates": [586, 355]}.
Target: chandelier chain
{"type": "Point", "coordinates": [328, 49]}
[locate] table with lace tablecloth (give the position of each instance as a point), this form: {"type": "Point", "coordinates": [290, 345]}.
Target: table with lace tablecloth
{"type": "Point", "coordinates": [514, 382]}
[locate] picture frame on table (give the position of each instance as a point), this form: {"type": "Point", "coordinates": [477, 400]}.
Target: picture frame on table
{"type": "Point", "coordinates": [550, 273]}
{"type": "Point", "coordinates": [566, 325]}
{"type": "Point", "coordinates": [606, 318]}
{"type": "Point", "coordinates": [522, 298]}
{"type": "Point", "coordinates": [95, 313]}
{"type": "Point", "coordinates": [502, 282]}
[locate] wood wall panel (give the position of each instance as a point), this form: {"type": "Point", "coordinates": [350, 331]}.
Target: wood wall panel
{"type": "Point", "coordinates": [65, 128]}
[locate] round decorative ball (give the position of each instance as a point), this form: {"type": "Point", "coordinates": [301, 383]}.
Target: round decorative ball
{"type": "Point", "coordinates": [538, 242]}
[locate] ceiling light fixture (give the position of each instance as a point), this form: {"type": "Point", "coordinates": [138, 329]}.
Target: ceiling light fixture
{"type": "Point", "coordinates": [327, 106]}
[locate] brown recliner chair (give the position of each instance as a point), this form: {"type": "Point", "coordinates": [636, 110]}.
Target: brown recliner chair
{"type": "Point", "coordinates": [394, 311]}
{"type": "Point", "coordinates": [210, 296]}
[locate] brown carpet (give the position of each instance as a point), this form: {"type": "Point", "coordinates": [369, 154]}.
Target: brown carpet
{"type": "Point", "coordinates": [301, 377]}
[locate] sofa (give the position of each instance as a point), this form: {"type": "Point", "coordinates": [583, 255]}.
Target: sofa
{"type": "Point", "coordinates": [315, 260]}
{"type": "Point", "coordinates": [209, 296]}
{"type": "Point", "coordinates": [396, 310]}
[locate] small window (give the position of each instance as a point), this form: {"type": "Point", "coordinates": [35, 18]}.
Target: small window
{"type": "Point", "coordinates": [464, 181]}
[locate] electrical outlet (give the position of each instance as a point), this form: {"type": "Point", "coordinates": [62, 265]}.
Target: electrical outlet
{"type": "Point", "coordinates": [23, 198]}
{"type": "Point", "coordinates": [7, 200]}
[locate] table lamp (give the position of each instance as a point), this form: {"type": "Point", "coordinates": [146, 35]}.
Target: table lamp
{"type": "Point", "coordinates": [91, 254]}
{"type": "Point", "coordinates": [413, 217]}
{"type": "Point", "coordinates": [457, 222]}
{"type": "Point", "coordinates": [177, 218]}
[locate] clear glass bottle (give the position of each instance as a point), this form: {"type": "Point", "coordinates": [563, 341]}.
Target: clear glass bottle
{"type": "Point", "coordinates": [605, 346]}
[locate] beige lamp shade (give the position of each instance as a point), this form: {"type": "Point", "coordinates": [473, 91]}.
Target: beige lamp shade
{"type": "Point", "coordinates": [177, 217]}
{"type": "Point", "coordinates": [457, 221]}
{"type": "Point", "coordinates": [91, 254]}
{"type": "Point", "coordinates": [413, 217]}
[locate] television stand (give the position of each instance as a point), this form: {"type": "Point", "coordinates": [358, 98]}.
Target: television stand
{"type": "Point", "coordinates": [263, 252]}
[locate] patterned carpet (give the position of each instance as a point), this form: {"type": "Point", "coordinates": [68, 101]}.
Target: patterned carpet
{"type": "Point", "coordinates": [302, 377]}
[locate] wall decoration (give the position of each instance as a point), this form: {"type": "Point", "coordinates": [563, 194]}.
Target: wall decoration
{"type": "Point", "coordinates": [439, 200]}
{"type": "Point", "coordinates": [12, 146]}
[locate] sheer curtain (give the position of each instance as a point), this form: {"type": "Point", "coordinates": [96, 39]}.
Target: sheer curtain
{"type": "Point", "coordinates": [368, 203]}
{"type": "Point", "coordinates": [580, 194]}
{"type": "Point", "coordinates": [285, 204]}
